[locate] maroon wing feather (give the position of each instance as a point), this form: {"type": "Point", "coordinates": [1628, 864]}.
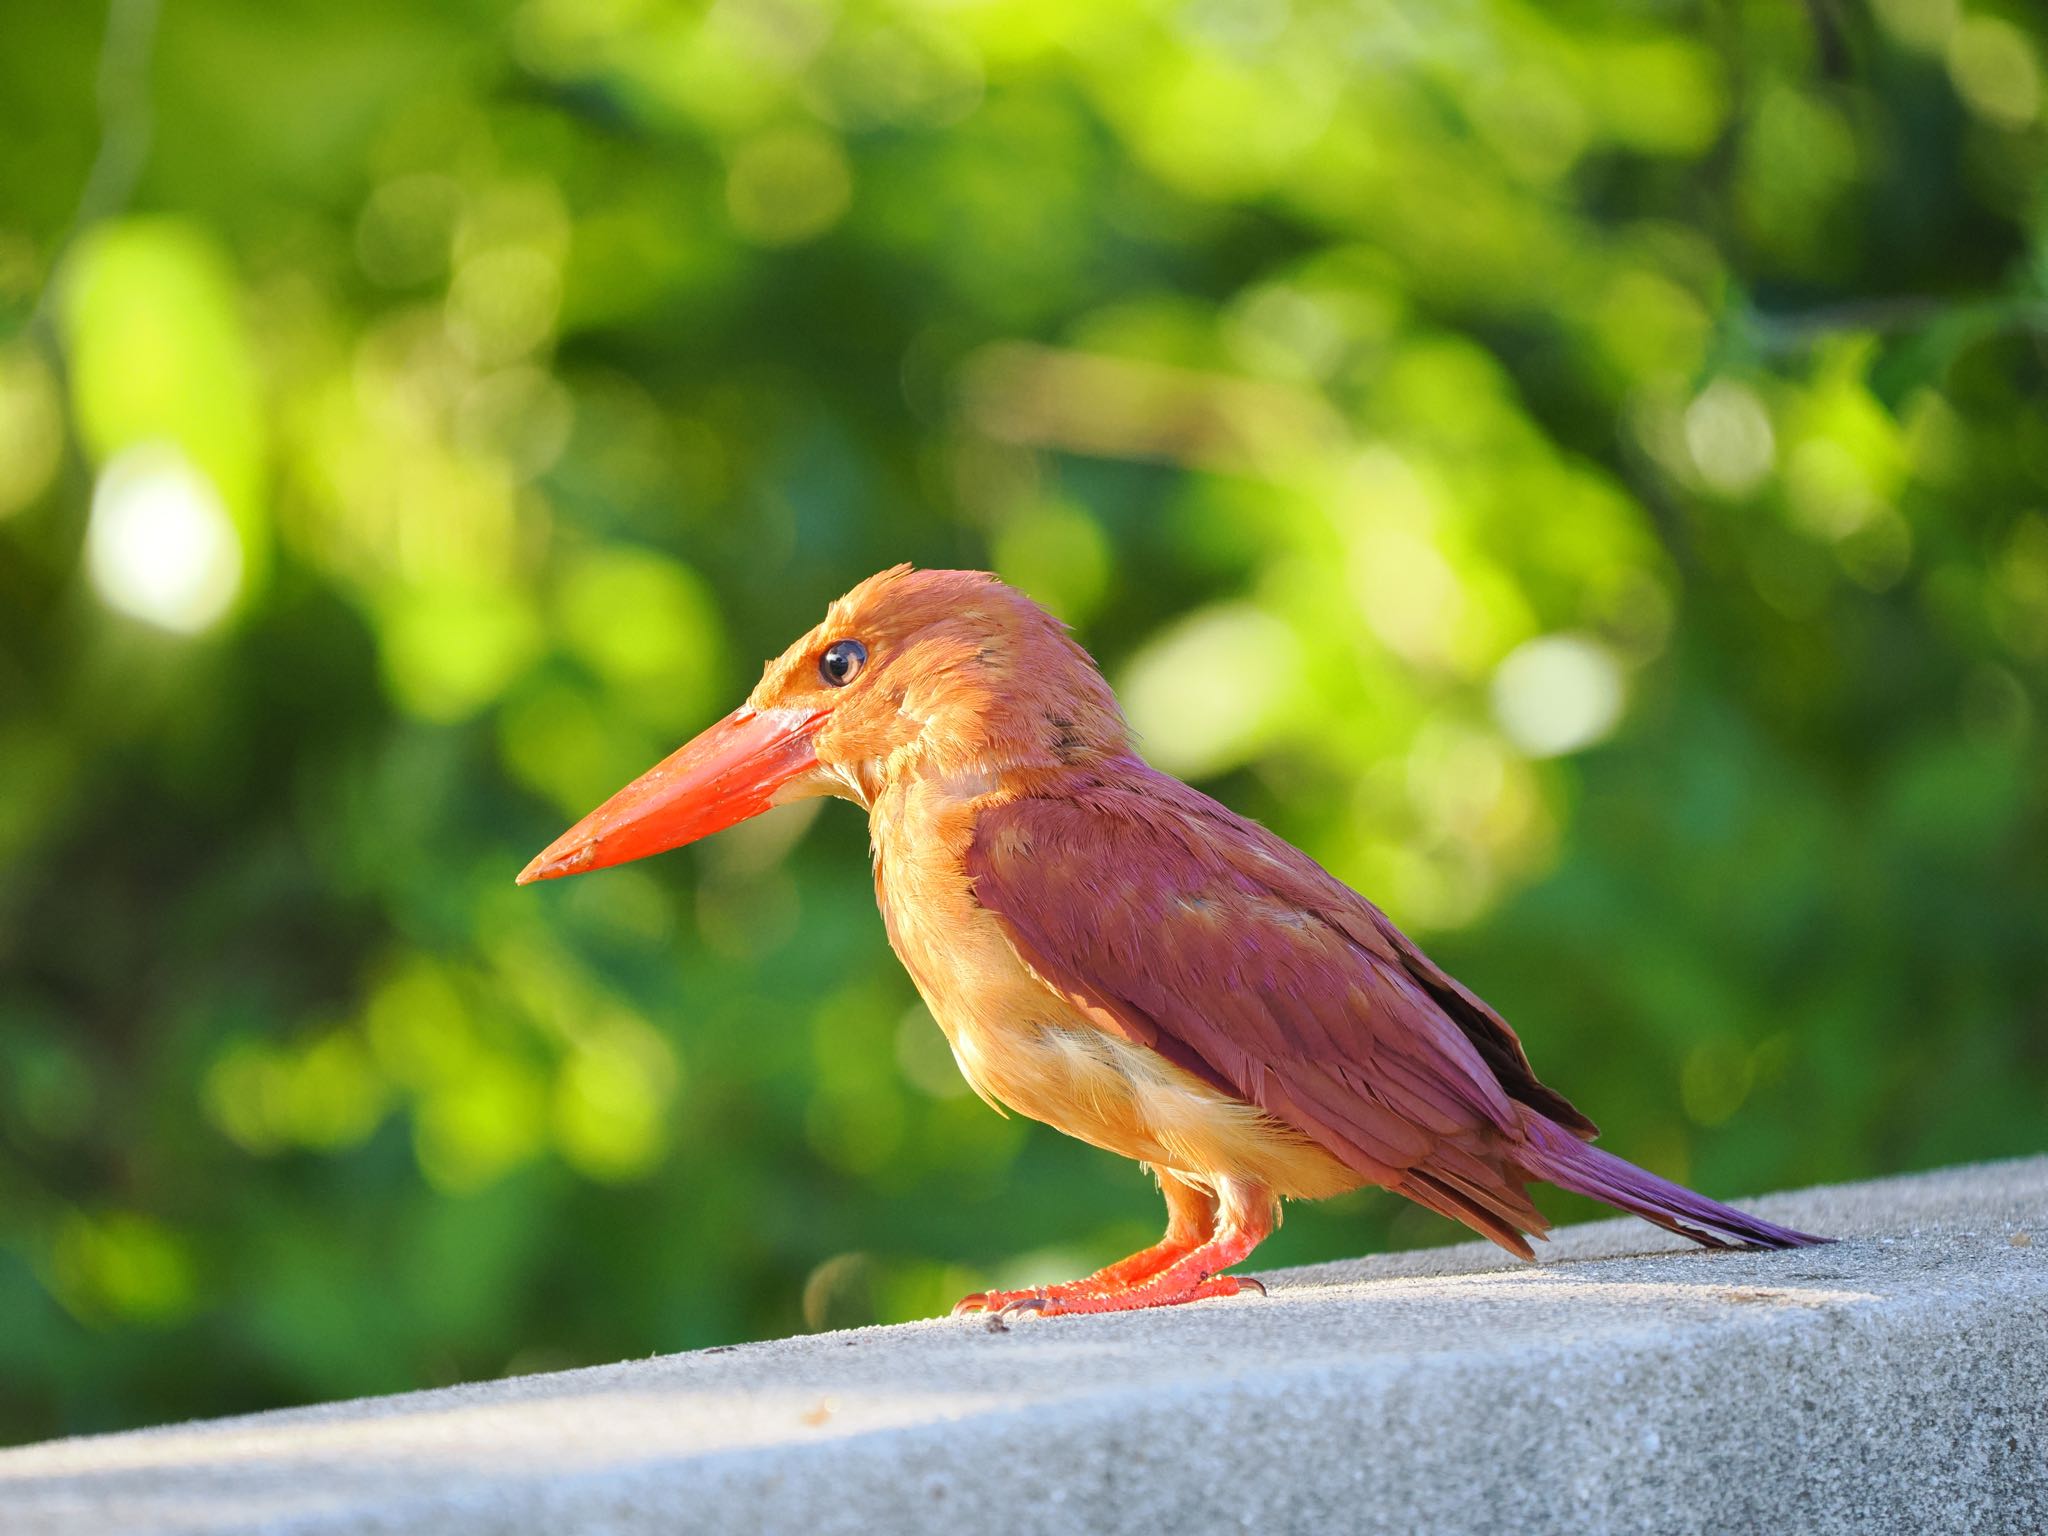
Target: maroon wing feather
{"type": "Point", "coordinates": [1187, 929]}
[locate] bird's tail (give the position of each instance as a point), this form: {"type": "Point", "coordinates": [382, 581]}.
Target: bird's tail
{"type": "Point", "coordinates": [1554, 1153]}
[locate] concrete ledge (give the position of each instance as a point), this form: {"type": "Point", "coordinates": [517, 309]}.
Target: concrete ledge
{"type": "Point", "coordinates": [1897, 1381]}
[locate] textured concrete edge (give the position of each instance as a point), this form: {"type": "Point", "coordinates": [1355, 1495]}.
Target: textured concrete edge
{"type": "Point", "coordinates": [1604, 1238]}
{"type": "Point", "coordinates": [1908, 1432]}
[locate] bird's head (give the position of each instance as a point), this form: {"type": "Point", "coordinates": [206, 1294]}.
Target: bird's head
{"type": "Point", "coordinates": [911, 674]}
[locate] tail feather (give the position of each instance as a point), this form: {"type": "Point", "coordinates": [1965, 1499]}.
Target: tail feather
{"type": "Point", "coordinates": [1488, 1213]}
{"type": "Point", "coordinates": [1551, 1152]}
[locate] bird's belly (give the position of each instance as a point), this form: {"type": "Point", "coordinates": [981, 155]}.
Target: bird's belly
{"type": "Point", "coordinates": [1080, 1079]}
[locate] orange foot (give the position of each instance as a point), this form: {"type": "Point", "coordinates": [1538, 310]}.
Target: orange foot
{"type": "Point", "coordinates": [1165, 1275]}
{"type": "Point", "coordinates": [1137, 1298]}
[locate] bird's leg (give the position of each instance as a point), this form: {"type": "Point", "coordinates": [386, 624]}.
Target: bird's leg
{"type": "Point", "coordinates": [1190, 1222]}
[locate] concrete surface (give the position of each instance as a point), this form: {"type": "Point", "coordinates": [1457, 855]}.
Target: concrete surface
{"type": "Point", "coordinates": [1897, 1381]}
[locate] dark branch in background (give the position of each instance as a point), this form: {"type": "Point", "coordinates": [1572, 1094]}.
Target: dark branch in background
{"type": "Point", "coordinates": [1774, 335]}
{"type": "Point", "coordinates": [1829, 41]}
{"type": "Point", "coordinates": [123, 97]}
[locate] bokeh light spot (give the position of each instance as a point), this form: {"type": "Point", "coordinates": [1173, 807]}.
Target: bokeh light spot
{"type": "Point", "coordinates": [787, 186]}
{"type": "Point", "coordinates": [160, 546]}
{"type": "Point", "coordinates": [1716, 1079]}
{"type": "Point", "coordinates": [611, 1102]}
{"type": "Point", "coordinates": [1921, 24]}
{"type": "Point", "coordinates": [31, 428]}
{"type": "Point", "coordinates": [1728, 433]}
{"type": "Point", "coordinates": [504, 302]}
{"type": "Point", "coordinates": [326, 1095]}
{"type": "Point", "coordinates": [1557, 694]}
{"type": "Point", "coordinates": [1661, 95]}
{"type": "Point", "coordinates": [471, 1131]}
{"type": "Point", "coordinates": [123, 1265]}
{"type": "Point", "coordinates": [1993, 66]}
{"type": "Point", "coordinates": [450, 648]}
{"type": "Point", "coordinates": [1829, 489]}
{"type": "Point", "coordinates": [1058, 554]}
{"type": "Point", "coordinates": [405, 230]}
{"type": "Point", "coordinates": [1284, 333]}
{"type": "Point", "coordinates": [1207, 695]}
{"type": "Point", "coordinates": [839, 1293]}
{"type": "Point", "coordinates": [648, 627]}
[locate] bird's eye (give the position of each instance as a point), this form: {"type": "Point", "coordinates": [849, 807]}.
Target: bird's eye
{"type": "Point", "coordinates": [842, 662]}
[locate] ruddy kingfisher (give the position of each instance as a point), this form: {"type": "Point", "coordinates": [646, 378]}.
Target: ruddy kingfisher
{"type": "Point", "coordinates": [1115, 953]}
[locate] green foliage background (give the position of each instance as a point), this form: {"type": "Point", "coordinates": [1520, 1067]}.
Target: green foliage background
{"type": "Point", "coordinates": [473, 392]}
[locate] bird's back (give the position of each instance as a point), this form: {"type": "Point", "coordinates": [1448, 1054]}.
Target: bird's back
{"type": "Point", "coordinates": [1199, 936]}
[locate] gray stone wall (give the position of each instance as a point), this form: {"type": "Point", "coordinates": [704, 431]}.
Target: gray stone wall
{"type": "Point", "coordinates": [1896, 1381]}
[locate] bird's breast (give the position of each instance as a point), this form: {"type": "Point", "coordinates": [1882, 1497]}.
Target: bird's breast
{"type": "Point", "coordinates": [1024, 1047]}
{"type": "Point", "coordinates": [1017, 1043]}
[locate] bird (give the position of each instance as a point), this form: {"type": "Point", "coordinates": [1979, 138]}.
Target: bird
{"type": "Point", "coordinates": [1114, 953]}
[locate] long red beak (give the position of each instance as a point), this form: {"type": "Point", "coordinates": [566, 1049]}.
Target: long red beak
{"type": "Point", "coordinates": [728, 773]}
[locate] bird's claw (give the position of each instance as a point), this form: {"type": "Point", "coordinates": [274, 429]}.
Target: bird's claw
{"type": "Point", "coordinates": [1028, 1304]}
{"type": "Point", "coordinates": [993, 1302]}
{"type": "Point", "coordinates": [1250, 1283]}
{"type": "Point", "coordinates": [1001, 1306]}
{"type": "Point", "coordinates": [999, 1319]}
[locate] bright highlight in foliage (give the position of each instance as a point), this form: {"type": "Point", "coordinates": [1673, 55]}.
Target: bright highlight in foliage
{"type": "Point", "coordinates": [160, 546]}
{"type": "Point", "coordinates": [1206, 695]}
{"type": "Point", "coordinates": [1728, 432]}
{"type": "Point", "coordinates": [1557, 694]}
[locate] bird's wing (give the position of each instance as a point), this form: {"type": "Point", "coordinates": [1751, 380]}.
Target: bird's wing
{"type": "Point", "coordinates": [1183, 927]}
